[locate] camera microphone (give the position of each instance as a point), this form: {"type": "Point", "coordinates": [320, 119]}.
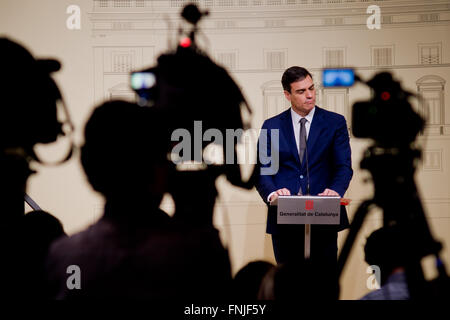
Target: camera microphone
{"type": "Point", "coordinates": [307, 169]}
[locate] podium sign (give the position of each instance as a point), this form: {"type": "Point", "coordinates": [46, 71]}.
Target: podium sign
{"type": "Point", "coordinates": [308, 210]}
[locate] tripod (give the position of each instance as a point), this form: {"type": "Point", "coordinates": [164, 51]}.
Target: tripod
{"type": "Point", "coordinates": [396, 194]}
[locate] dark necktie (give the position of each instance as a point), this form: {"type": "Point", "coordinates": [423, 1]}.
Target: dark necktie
{"type": "Point", "coordinates": [302, 140]}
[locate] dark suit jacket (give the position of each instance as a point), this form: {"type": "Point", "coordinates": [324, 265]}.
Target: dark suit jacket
{"type": "Point", "coordinates": [329, 160]}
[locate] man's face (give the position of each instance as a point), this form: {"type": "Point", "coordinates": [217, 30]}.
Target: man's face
{"type": "Point", "coordinates": [302, 96]}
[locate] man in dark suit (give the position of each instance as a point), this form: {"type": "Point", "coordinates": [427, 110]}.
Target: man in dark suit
{"type": "Point", "coordinates": [327, 155]}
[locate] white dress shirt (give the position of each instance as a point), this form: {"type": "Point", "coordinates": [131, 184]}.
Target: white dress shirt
{"type": "Point", "coordinates": [296, 125]}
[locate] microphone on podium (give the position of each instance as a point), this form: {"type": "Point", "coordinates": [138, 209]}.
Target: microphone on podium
{"type": "Point", "coordinates": [307, 169]}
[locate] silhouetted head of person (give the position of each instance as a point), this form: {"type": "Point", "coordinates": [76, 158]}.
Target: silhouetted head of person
{"type": "Point", "coordinates": [40, 229]}
{"type": "Point", "coordinates": [125, 152]}
{"type": "Point", "coordinates": [300, 280]}
{"type": "Point", "coordinates": [388, 248]}
{"type": "Point", "coordinates": [29, 96]}
{"type": "Point", "coordinates": [248, 279]}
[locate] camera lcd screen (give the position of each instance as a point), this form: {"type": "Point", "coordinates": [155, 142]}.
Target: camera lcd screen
{"type": "Point", "coordinates": [338, 77]}
{"type": "Point", "coordinates": [142, 80]}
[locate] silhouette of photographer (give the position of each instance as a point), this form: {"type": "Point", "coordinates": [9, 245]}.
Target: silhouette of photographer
{"type": "Point", "coordinates": [184, 84]}
{"type": "Point", "coordinates": [28, 115]}
{"type": "Point", "coordinates": [135, 251]}
{"type": "Point", "coordinates": [187, 83]}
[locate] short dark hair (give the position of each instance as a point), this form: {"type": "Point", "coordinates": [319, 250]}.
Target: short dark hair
{"type": "Point", "coordinates": [293, 74]}
{"type": "Point", "coordinates": [389, 247]}
{"type": "Point", "coordinates": [124, 145]}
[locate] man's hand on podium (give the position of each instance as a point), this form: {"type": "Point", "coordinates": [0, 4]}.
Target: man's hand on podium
{"type": "Point", "coordinates": [285, 192]}
{"type": "Point", "coordinates": [329, 192]}
{"type": "Point", "coordinates": [279, 192]}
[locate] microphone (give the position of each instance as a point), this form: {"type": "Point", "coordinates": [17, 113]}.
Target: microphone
{"type": "Point", "coordinates": [307, 169]}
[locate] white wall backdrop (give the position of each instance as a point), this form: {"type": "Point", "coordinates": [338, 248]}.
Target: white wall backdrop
{"type": "Point", "coordinates": [256, 40]}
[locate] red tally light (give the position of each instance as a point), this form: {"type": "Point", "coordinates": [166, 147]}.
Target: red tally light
{"type": "Point", "coordinates": [385, 95]}
{"type": "Point", "coordinates": [185, 42]}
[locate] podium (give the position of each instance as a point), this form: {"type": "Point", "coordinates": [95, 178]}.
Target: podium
{"type": "Point", "coordinates": [308, 210]}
